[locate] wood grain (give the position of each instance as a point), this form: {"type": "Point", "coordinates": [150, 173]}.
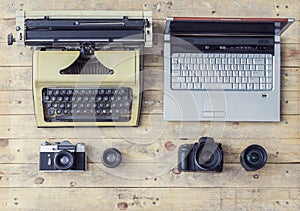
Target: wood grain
{"type": "Point", "coordinates": [161, 9]}
{"type": "Point", "coordinates": [151, 174]}
{"type": "Point", "coordinates": [153, 126]}
{"type": "Point", "coordinates": [147, 177]}
{"type": "Point", "coordinates": [150, 199]}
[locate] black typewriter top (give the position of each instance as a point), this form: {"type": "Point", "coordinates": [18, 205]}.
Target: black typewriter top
{"type": "Point", "coordinates": [48, 32]}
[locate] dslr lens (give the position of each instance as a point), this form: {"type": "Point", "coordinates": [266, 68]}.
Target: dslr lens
{"type": "Point", "coordinates": [209, 156]}
{"type": "Point", "coordinates": [111, 157]}
{"type": "Point", "coordinates": [253, 157]}
{"type": "Point", "coordinates": [63, 160]}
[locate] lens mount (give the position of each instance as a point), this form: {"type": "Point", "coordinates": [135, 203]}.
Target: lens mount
{"type": "Point", "coordinates": [253, 157]}
{"type": "Point", "coordinates": [208, 156]}
{"type": "Point", "coordinates": [63, 160]}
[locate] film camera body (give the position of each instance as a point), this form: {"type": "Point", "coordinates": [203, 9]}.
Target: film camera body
{"type": "Point", "coordinates": [63, 156]}
{"type": "Point", "coordinates": [205, 155]}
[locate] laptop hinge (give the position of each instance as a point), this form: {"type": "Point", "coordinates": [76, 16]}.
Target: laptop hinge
{"type": "Point", "coordinates": [277, 32]}
{"type": "Point", "coordinates": [277, 38]}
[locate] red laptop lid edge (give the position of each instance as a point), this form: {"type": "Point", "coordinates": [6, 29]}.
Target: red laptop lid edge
{"type": "Point", "coordinates": [231, 19]}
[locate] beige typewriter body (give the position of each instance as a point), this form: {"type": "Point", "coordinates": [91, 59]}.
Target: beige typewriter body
{"type": "Point", "coordinates": [126, 64]}
{"type": "Point", "coordinates": [46, 74]}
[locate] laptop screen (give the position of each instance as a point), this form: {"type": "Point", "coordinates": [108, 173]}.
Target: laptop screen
{"type": "Point", "coordinates": [251, 26]}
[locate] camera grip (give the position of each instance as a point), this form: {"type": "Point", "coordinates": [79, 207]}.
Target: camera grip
{"type": "Point", "coordinates": [183, 154]}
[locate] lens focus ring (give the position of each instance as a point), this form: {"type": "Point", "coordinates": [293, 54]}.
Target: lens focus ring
{"type": "Point", "coordinates": [253, 157]}
{"type": "Point", "coordinates": [111, 157]}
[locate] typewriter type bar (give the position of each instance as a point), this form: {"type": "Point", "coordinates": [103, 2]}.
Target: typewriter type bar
{"type": "Point", "coordinates": [47, 31]}
{"type": "Point", "coordinates": [99, 27]}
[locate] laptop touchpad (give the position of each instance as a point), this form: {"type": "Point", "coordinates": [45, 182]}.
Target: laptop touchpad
{"type": "Point", "coordinates": [213, 107]}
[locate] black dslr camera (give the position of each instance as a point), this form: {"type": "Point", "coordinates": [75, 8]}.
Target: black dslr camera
{"type": "Point", "coordinates": [62, 156]}
{"type": "Point", "coordinates": [205, 155]}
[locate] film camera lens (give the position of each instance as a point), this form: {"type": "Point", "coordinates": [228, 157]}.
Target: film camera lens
{"type": "Point", "coordinates": [253, 157]}
{"type": "Point", "coordinates": [209, 156]}
{"type": "Point", "coordinates": [111, 157]}
{"type": "Point", "coordinates": [63, 160]}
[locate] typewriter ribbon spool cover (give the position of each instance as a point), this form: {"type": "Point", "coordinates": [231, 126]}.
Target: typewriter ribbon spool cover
{"type": "Point", "coordinates": [82, 80]}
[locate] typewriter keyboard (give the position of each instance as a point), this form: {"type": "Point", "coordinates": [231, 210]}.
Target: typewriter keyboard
{"type": "Point", "coordinates": [87, 104]}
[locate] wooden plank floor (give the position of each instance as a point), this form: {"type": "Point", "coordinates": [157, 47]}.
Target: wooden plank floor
{"type": "Point", "coordinates": [146, 177]}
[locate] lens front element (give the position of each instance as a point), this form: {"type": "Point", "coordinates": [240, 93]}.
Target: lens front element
{"type": "Point", "coordinates": [209, 156]}
{"type": "Point", "coordinates": [253, 157]}
{"type": "Point", "coordinates": [111, 157]}
{"type": "Point", "coordinates": [63, 160]}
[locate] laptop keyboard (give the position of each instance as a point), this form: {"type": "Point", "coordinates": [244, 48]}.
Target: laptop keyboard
{"type": "Point", "coordinates": [219, 71]}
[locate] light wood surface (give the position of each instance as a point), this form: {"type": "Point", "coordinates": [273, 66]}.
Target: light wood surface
{"type": "Point", "coordinates": [147, 177]}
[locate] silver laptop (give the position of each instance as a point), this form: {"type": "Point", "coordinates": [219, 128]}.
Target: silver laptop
{"type": "Point", "coordinates": [221, 69]}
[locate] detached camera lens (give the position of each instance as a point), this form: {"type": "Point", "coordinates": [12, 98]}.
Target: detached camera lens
{"type": "Point", "coordinates": [63, 160]}
{"type": "Point", "coordinates": [253, 157]}
{"type": "Point", "coordinates": [111, 157]}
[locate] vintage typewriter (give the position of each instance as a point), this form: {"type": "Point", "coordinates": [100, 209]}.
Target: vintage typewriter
{"type": "Point", "coordinates": [86, 65]}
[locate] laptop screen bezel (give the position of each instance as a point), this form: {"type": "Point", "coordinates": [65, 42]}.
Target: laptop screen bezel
{"type": "Point", "coordinates": [232, 26]}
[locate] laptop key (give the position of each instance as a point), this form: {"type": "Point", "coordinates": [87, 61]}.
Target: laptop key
{"type": "Point", "coordinates": [249, 86]}
{"type": "Point", "coordinates": [258, 61]}
{"type": "Point", "coordinates": [197, 85]}
{"type": "Point", "coordinates": [253, 80]}
{"type": "Point", "coordinates": [268, 86]}
{"type": "Point", "coordinates": [269, 73]}
{"type": "Point", "coordinates": [185, 73]}
{"type": "Point", "coordinates": [188, 79]}
{"type": "Point", "coordinates": [268, 67]}
{"type": "Point", "coordinates": [176, 67]}
{"type": "Point", "coordinates": [256, 86]}
{"type": "Point", "coordinates": [175, 85]}
{"type": "Point", "coordinates": [183, 86]}
{"type": "Point", "coordinates": [190, 86]}
{"type": "Point", "coordinates": [268, 80]}
{"type": "Point", "coordinates": [262, 86]}
{"type": "Point", "coordinates": [226, 79]}
{"type": "Point", "coordinates": [178, 79]}
{"type": "Point", "coordinates": [213, 79]}
{"type": "Point", "coordinates": [242, 86]}
{"type": "Point", "coordinates": [260, 67]}
{"type": "Point", "coordinates": [195, 79]}
{"type": "Point", "coordinates": [174, 60]}
{"type": "Point", "coordinates": [176, 73]}
{"type": "Point", "coordinates": [216, 86]}
{"type": "Point", "coordinates": [258, 73]}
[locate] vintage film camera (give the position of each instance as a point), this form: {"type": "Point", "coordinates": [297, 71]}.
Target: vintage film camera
{"type": "Point", "coordinates": [205, 155]}
{"type": "Point", "coordinates": [63, 156]}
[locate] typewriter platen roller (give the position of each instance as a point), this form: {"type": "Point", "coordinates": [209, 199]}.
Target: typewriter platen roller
{"type": "Point", "coordinates": [86, 65]}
